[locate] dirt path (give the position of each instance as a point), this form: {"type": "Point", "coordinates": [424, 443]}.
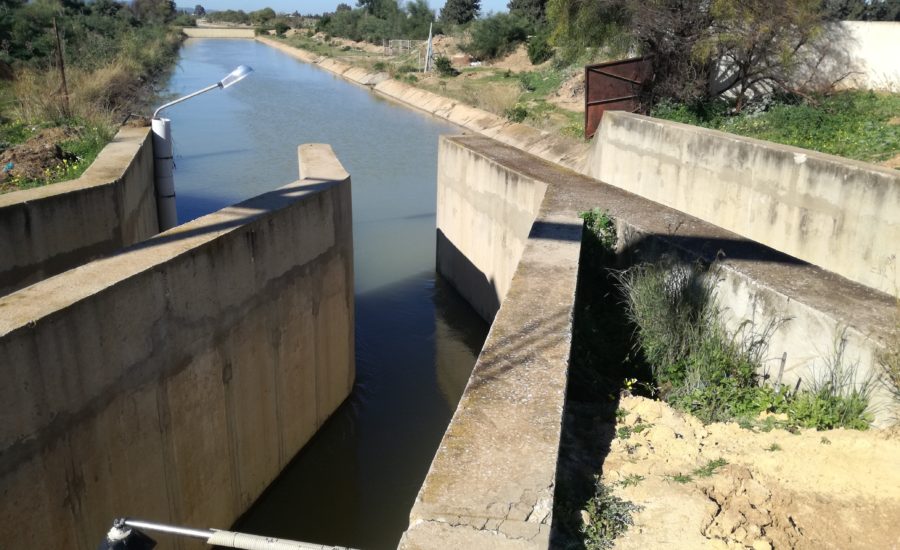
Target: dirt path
{"type": "Point", "coordinates": [835, 489]}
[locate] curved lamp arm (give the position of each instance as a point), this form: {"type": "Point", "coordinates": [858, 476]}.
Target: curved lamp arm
{"type": "Point", "coordinates": [233, 77]}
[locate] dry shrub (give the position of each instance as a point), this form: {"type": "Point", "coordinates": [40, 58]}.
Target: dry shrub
{"type": "Point", "coordinates": [38, 96]}
{"type": "Point", "coordinates": [109, 88]}
{"type": "Point", "coordinates": [494, 98]}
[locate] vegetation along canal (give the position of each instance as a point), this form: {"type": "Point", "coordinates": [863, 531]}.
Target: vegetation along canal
{"type": "Point", "coordinates": [416, 341]}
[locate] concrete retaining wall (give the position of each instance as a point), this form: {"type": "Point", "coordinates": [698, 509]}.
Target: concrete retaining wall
{"type": "Point", "coordinates": [218, 32]}
{"type": "Point", "coordinates": [491, 483]}
{"type": "Point", "coordinates": [46, 230]}
{"type": "Point", "coordinates": [174, 380]}
{"type": "Point", "coordinates": [839, 214]}
{"type": "Point", "coordinates": [483, 221]}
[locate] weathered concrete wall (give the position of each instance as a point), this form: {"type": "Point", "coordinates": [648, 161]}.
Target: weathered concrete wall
{"type": "Point", "coordinates": [839, 214]}
{"type": "Point", "coordinates": [174, 380]}
{"type": "Point", "coordinates": [484, 216]}
{"type": "Point", "coordinates": [218, 32]}
{"type": "Point", "coordinates": [872, 46]}
{"type": "Point", "coordinates": [491, 483]}
{"type": "Point", "coordinates": [46, 230]}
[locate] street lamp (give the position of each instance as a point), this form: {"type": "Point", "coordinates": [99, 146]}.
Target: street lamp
{"type": "Point", "coordinates": [125, 535]}
{"type": "Point", "coordinates": [162, 151]}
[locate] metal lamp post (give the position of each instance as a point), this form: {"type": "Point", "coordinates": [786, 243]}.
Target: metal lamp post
{"type": "Point", "coordinates": [125, 535]}
{"type": "Point", "coordinates": [162, 151]}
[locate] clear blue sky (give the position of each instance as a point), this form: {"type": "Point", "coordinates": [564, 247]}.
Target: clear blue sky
{"type": "Point", "coordinates": [312, 6]}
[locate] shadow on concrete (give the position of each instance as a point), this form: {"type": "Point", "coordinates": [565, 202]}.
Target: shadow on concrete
{"type": "Point", "coordinates": [471, 282]}
{"type": "Point", "coordinates": [231, 217]}
{"type": "Point", "coordinates": [599, 362]}
{"type": "Point", "coordinates": [556, 231]}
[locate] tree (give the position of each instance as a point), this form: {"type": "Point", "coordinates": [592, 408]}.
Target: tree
{"type": "Point", "coordinates": [106, 8]}
{"type": "Point", "coordinates": [532, 10]}
{"type": "Point", "coordinates": [260, 17]}
{"type": "Point", "coordinates": [862, 10]}
{"type": "Point", "coordinates": [343, 7]}
{"type": "Point", "coordinates": [458, 12]}
{"type": "Point", "coordinates": [379, 8]}
{"type": "Point", "coordinates": [580, 24]}
{"type": "Point", "coordinates": [497, 35]}
{"type": "Point", "coordinates": [153, 11]}
{"type": "Point", "coordinates": [418, 18]}
{"type": "Point", "coordinates": [199, 10]}
{"type": "Point", "coordinates": [756, 44]}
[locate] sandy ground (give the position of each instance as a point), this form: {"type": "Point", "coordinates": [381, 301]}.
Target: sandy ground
{"type": "Point", "coordinates": [836, 489]}
{"type": "Point", "coordinates": [570, 95]}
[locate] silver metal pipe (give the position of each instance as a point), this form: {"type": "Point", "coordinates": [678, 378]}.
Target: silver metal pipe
{"type": "Point", "coordinates": [180, 99]}
{"type": "Point", "coordinates": [171, 529]}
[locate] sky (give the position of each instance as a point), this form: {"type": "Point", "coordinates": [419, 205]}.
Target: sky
{"type": "Point", "coordinates": [312, 6]}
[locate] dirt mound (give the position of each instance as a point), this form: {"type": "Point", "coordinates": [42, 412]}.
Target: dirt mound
{"type": "Point", "coordinates": [721, 486]}
{"type": "Point", "coordinates": [31, 159]}
{"type": "Point", "coordinates": [517, 61]}
{"type": "Point", "coordinates": [570, 95]}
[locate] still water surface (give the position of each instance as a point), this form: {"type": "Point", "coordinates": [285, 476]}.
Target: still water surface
{"type": "Point", "coordinates": [416, 340]}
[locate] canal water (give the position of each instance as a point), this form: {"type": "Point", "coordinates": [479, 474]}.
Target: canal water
{"type": "Point", "coordinates": [416, 340]}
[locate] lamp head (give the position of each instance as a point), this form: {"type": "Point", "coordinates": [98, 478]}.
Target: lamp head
{"type": "Point", "coordinates": [235, 76]}
{"type": "Point", "coordinates": [122, 537]}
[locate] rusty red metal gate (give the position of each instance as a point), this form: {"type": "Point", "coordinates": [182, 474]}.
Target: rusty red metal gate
{"type": "Point", "coordinates": [613, 86]}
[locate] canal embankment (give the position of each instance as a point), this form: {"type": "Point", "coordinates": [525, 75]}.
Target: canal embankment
{"type": "Point", "coordinates": [564, 151]}
{"type": "Point", "coordinates": [175, 379]}
{"type": "Point", "coordinates": [50, 229]}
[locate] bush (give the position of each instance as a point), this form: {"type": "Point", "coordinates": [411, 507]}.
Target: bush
{"type": "Point", "coordinates": [444, 67]}
{"type": "Point", "coordinates": [517, 113]}
{"type": "Point", "coordinates": [281, 27]}
{"type": "Point", "coordinates": [496, 36]}
{"type": "Point", "coordinates": [539, 49]}
{"type": "Point", "coordinates": [185, 20]}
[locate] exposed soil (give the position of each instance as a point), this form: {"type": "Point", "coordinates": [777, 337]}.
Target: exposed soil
{"type": "Point", "coordinates": [834, 489]}
{"type": "Point", "coordinates": [517, 61]}
{"type": "Point", "coordinates": [570, 95]}
{"type": "Point", "coordinates": [892, 162]}
{"type": "Point", "coordinates": [29, 160]}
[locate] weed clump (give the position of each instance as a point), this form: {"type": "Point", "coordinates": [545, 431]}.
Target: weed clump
{"type": "Point", "coordinates": [606, 518]}
{"type": "Point", "coordinates": [698, 366]}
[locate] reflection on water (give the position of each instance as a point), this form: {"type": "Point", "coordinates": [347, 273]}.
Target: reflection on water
{"type": "Point", "coordinates": [416, 341]}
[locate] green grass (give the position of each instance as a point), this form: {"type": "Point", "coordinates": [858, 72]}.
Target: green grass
{"type": "Point", "coordinates": [710, 468]}
{"type": "Point", "coordinates": [632, 480]}
{"type": "Point", "coordinates": [680, 478]}
{"type": "Point", "coordinates": [626, 431]}
{"type": "Point", "coordinates": [850, 124]}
